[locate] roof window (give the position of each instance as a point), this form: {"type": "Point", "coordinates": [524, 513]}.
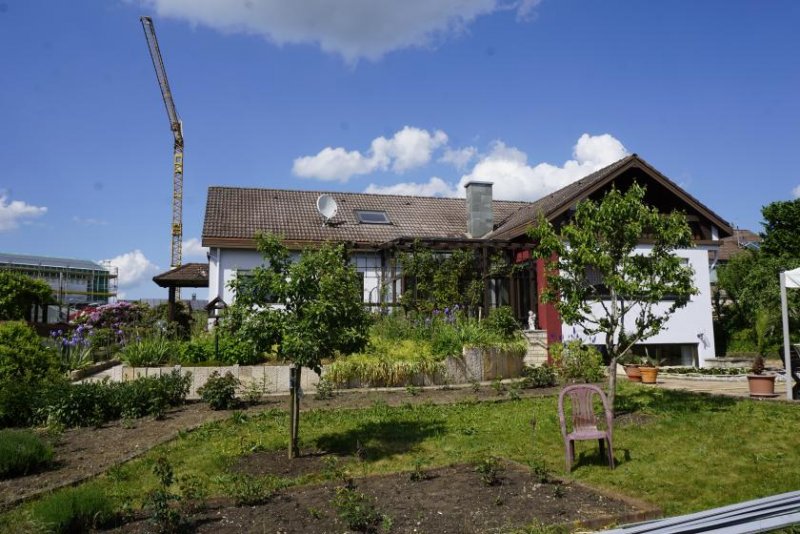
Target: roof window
{"type": "Point", "coordinates": [372, 217]}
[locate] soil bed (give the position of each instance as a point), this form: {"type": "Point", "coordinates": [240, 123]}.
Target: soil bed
{"type": "Point", "coordinates": [451, 500]}
{"type": "Point", "coordinates": [82, 453]}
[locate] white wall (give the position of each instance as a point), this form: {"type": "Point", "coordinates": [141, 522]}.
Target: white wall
{"type": "Point", "coordinates": [690, 325]}
{"type": "Point", "coordinates": [223, 265]}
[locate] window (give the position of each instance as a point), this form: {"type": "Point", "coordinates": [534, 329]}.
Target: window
{"type": "Point", "coordinates": [372, 217]}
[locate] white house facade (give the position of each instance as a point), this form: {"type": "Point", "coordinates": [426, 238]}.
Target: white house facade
{"type": "Point", "coordinates": [234, 216]}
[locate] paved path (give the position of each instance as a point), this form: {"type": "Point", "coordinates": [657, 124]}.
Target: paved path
{"type": "Point", "coordinates": [735, 387]}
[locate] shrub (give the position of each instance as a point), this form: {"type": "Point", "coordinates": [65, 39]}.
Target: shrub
{"type": "Point", "coordinates": [94, 403]}
{"type": "Point", "coordinates": [26, 367]}
{"type": "Point", "coordinates": [356, 510]}
{"type": "Point", "coordinates": [199, 349]}
{"type": "Point", "coordinates": [22, 452]}
{"type": "Point", "coordinates": [234, 350]}
{"type": "Point", "coordinates": [75, 510]}
{"type": "Point", "coordinates": [539, 377]}
{"type": "Point", "coordinates": [84, 404]}
{"type": "Point", "coordinates": [575, 361]}
{"type": "Point", "coordinates": [490, 470]}
{"type": "Point", "coordinates": [219, 391]}
{"type": "Point", "coordinates": [502, 323]}
{"type": "Point", "coordinates": [150, 351]}
{"type": "Point", "coordinates": [249, 491]}
{"type": "Point", "coordinates": [324, 389]}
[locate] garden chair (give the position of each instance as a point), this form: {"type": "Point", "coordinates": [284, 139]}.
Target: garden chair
{"type": "Point", "coordinates": [584, 421]}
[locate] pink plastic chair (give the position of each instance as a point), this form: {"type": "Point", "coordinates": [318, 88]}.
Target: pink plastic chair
{"type": "Point", "coordinates": [584, 421]}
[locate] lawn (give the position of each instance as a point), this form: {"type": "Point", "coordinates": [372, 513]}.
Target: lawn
{"type": "Point", "coordinates": [680, 451]}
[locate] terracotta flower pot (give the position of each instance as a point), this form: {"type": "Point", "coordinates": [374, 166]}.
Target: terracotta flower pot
{"type": "Point", "coordinates": [761, 385]}
{"type": "Point", "coordinates": [634, 373]}
{"type": "Point", "coordinates": [649, 374]}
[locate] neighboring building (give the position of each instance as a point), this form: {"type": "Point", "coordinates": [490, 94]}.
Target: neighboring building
{"type": "Point", "coordinates": [740, 241]}
{"type": "Point", "coordinates": [75, 283]}
{"type": "Point", "coordinates": [377, 227]}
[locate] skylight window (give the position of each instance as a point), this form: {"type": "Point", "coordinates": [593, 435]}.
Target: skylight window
{"type": "Point", "coordinates": [372, 217]}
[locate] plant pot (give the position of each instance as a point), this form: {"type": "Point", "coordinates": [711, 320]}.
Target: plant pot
{"type": "Point", "coordinates": [633, 372]}
{"type": "Point", "coordinates": [649, 374]}
{"type": "Point", "coordinates": [761, 385]}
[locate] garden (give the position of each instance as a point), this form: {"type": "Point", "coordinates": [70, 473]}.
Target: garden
{"type": "Point", "coordinates": [403, 460]}
{"type": "Point", "coordinates": [135, 456]}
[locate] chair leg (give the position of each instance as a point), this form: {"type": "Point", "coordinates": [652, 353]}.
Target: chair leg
{"type": "Point", "coordinates": [610, 454]}
{"type": "Point", "coordinates": [569, 450]}
{"type": "Point", "coordinates": [602, 443]}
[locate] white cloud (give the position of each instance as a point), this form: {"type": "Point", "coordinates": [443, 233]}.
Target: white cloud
{"type": "Point", "coordinates": [13, 213]}
{"type": "Point", "coordinates": [514, 178]}
{"type": "Point", "coordinates": [459, 157]}
{"type": "Point", "coordinates": [89, 221]}
{"type": "Point", "coordinates": [433, 188]}
{"type": "Point", "coordinates": [796, 192]}
{"type": "Point", "coordinates": [193, 248]}
{"type": "Point", "coordinates": [353, 29]}
{"type": "Point", "coordinates": [406, 149]}
{"type": "Point", "coordinates": [133, 268]}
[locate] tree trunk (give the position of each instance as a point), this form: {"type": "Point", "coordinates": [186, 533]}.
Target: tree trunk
{"type": "Point", "coordinates": [294, 411]}
{"type": "Point", "coordinates": [612, 384]}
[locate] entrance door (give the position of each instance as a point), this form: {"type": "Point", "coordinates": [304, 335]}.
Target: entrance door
{"type": "Point", "coordinates": [525, 291]}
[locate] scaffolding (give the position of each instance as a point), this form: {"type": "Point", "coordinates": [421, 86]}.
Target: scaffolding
{"type": "Point", "coordinates": [75, 283]}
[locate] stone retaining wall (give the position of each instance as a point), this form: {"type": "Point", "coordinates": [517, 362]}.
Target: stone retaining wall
{"type": "Point", "coordinates": [475, 364]}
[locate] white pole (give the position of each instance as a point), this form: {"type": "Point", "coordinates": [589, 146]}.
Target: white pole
{"type": "Point", "coordinates": [787, 357]}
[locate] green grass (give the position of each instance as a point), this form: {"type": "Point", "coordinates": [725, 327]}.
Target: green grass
{"type": "Point", "coordinates": [73, 510]}
{"type": "Point", "coordinates": [22, 452]}
{"type": "Point", "coordinates": [691, 453]}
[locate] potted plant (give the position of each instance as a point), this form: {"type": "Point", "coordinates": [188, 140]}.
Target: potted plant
{"type": "Point", "coordinates": [649, 370]}
{"type": "Point", "coordinates": [761, 384]}
{"type": "Point", "coordinates": [631, 364]}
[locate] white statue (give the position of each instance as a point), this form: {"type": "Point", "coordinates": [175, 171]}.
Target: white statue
{"type": "Point", "coordinates": [531, 320]}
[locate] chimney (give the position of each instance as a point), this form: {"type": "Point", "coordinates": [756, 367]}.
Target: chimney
{"type": "Point", "coordinates": [480, 220]}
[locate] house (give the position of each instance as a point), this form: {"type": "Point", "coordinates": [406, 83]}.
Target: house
{"type": "Point", "coordinates": [740, 241]}
{"type": "Point", "coordinates": [377, 227]}
{"type": "Point", "coordinates": [75, 282]}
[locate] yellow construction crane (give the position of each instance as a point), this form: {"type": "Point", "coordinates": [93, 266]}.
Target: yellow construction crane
{"type": "Point", "coordinates": [177, 131]}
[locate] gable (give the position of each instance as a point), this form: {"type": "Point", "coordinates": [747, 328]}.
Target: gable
{"type": "Point", "coordinates": [662, 193]}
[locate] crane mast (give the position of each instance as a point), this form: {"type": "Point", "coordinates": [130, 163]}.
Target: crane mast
{"type": "Point", "coordinates": [176, 126]}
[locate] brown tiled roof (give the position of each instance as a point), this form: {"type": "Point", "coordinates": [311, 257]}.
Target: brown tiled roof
{"type": "Point", "coordinates": [731, 246]}
{"type": "Point", "coordinates": [187, 275]}
{"type": "Point", "coordinates": [234, 215]}
{"type": "Point", "coordinates": [558, 201]}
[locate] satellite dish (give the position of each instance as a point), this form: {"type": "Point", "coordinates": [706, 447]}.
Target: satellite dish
{"type": "Point", "coordinates": [327, 207]}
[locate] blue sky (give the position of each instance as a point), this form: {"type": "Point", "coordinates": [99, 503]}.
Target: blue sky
{"type": "Point", "coordinates": [415, 96]}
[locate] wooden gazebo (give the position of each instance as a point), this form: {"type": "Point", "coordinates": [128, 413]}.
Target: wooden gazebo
{"type": "Point", "coordinates": [187, 275]}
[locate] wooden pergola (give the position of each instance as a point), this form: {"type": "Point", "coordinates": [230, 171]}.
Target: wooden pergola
{"type": "Point", "coordinates": [516, 253]}
{"type": "Point", "coordinates": [187, 275]}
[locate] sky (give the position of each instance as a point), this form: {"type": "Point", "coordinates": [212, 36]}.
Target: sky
{"type": "Point", "coordinates": [412, 97]}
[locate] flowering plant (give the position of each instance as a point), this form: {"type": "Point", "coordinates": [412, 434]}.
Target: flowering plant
{"type": "Point", "coordinates": [74, 347]}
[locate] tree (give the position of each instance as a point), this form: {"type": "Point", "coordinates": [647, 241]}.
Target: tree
{"type": "Point", "coordinates": [18, 294]}
{"type": "Point", "coordinates": [750, 282]}
{"type": "Point", "coordinates": [305, 310]}
{"type": "Point", "coordinates": [596, 277]}
{"type": "Point", "coordinates": [781, 222]}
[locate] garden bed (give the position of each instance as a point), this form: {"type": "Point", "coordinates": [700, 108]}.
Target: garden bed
{"type": "Point", "coordinates": [83, 453]}
{"type": "Point", "coordinates": [450, 499]}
